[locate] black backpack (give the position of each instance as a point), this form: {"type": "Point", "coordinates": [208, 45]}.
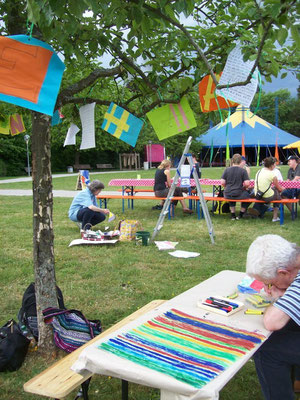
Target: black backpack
{"type": "Point", "coordinates": [27, 315]}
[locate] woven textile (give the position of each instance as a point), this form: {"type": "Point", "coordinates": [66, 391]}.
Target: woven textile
{"type": "Point", "coordinates": [190, 349]}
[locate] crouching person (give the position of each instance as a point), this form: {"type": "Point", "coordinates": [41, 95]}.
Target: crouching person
{"type": "Point", "coordinates": [276, 262]}
{"type": "Point", "coordinates": [84, 209]}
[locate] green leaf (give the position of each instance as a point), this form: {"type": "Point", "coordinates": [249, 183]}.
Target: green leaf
{"type": "Point", "coordinates": [283, 75]}
{"type": "Point", "coordinates": [33, 11]}
{"type": "Point", "coordinates": [282, 34]}
{"type": "Point", "coordinates": [186, 83]}
{"type": "Point", "coordinates": [93, 46]}
{"type": "Point", "coordinates": [295, 35]}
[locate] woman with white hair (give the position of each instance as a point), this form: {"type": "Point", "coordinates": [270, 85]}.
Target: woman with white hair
{"type": "Point", "coordinates": [276, 262]}
{"type": "Point", "coordinates": [84, 209]}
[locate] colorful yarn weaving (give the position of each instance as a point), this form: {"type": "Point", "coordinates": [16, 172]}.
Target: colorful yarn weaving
{"type": "Point", "coordinates": [190, 349]}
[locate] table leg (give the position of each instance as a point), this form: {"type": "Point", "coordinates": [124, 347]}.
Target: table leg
{"type": "Point", "coordinates": [124, 390]}
{"type": "Point", "coordinates": [281, 208]}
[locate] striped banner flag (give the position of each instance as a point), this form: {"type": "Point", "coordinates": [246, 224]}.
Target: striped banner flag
{"type": "Point", "coordinates": [171, 119]}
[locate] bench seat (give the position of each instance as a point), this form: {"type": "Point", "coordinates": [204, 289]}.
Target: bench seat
{"type": "Point", "coordinates": [104, 166]}
{"type": "Point", "coordinates": [59, 380]}
{"type": "Point", "coordinates": [81, 166]}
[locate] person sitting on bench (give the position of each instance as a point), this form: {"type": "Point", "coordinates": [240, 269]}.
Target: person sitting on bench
{"type": "Point", "coordinates": [235, 180]}
{"type": "Point", "coordinates": [162, 184]}
{"type": "Point", "coordinates": [263, 182]}
{"type": "Point", "coordinates": [84, 209]}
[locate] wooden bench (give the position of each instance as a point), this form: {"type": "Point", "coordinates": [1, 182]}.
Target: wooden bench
{"type": "Point", "coordinates": [105, 197]}
{"type": "Point", "coordinates": [81, 166]}
{"type": "Point", "coordinates": [103, 166]}
{"type": "Point", "coordinates": [281, 202]}
{"type": "Point", "coordinates": [59, 380]}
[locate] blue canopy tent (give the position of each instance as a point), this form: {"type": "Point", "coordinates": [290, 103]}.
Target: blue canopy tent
{"type": "Point", "coordinates": [243, 124]}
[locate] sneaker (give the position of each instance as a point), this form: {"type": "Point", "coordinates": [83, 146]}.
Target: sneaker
{"type": "Point", "coordinates": [237, 218]}
{"type": "Point", "coordinates": [275, 219]}
{"type": "Point", "coordinates": [79, 224]}
{"type": "Point", "coordinates": [158, 207]}
{"type": "Point", "coordinates": [233, 218]}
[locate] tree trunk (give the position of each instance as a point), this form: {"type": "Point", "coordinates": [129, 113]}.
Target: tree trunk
{"type": "Point", "coordinates": [43, 237]}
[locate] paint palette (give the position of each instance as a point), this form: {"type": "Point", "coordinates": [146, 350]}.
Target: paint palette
{"type": "Point", "coordinates": [220, 305]}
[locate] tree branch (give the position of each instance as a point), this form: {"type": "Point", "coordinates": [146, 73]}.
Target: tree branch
{"type": "Point", "coordinates": [67, 93]}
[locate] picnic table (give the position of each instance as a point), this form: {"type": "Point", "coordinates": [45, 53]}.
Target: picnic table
{"type": "Point", "coordinates": [102, 362]}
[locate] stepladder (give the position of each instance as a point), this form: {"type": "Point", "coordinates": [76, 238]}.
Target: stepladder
{"type": "Point", "coordinates": [185, 156]}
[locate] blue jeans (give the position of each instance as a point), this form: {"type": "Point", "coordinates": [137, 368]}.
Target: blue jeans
{"type": "Point", "coordinates": [89, 217]}
{"type": "Point", "coordinates": [274, 361]}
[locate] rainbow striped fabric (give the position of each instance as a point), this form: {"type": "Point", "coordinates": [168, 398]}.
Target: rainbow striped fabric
{"type": "Point", "coordinates": [190, 349]}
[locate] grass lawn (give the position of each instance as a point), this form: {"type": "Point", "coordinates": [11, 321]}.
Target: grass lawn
{"type": "Point", "coordinates": [111, 282]}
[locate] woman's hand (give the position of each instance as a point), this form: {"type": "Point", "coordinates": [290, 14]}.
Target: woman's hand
{"type": "Point", "coordinates": [274, 291]}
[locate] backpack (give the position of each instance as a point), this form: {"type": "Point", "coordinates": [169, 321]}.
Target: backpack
{"type": "Point", "coordinates": [221, 207]}
{"type": "Point", "coordinates": [27, 315]}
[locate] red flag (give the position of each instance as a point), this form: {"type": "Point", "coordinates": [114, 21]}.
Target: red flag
{"type": "Point", "coordinates": [243, 147]}
{"type": "Point", "coordinates": [276, 153]}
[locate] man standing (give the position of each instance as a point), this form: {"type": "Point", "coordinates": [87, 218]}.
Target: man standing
{"type": "Point", "coordinates": [276, 262]}
{"type": "Point", "coordinates": [293, 175]}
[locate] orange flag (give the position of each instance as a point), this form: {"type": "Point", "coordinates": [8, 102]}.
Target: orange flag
{"type": "Point", "coordinates": [276, 153]}
{"type": "Point", "coordinates": [207, 98]}
{"type": "Point", "coordinates": [243, 147]}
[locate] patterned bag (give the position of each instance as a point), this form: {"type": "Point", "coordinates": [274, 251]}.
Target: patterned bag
{"type": "Point", "coordinates": [71, 328]}
{"type": "Point", "coordinates": [128, 229]}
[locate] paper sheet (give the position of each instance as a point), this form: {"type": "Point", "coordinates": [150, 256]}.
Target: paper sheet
{"type": "Point", "coordinates": [71, 135]}
{"type": "Point", "coordinates": [184, 254]}
{"type": "Point", "coordinates": [166, 245]}
{"type": "Point", "coordinates": [87, 116]}
{"type": "Point", "coordinates": [185, 174]}
{"type": "Point", "coordinates": [92, 242]}
{"type": "Point", "coordinates": [236, 70]}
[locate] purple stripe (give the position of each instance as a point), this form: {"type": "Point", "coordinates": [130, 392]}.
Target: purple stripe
{"type": "Point", "coordinates": [175, 116]}
{"type": "Point", "coordinates": [185, 120]}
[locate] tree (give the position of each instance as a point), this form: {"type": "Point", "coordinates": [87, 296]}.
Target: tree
{"type": "Point", "coordinates": [155, 56]}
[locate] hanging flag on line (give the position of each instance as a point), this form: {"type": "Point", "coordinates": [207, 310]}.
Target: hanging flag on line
{"type": "Point", "coordinates": [208, 101]}
{"type": "Point", "coordinates": [121, 124]}
{"type": "Point", "coordinates": [30, 73]}
{"type": "Point", "coordinates": [171, 119]}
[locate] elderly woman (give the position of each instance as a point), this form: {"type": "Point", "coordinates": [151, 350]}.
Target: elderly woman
{"type": "Point", "coordinates": [162, 184]}
{"type": "Point", "coordinates": [84, 209]}
{"type": "Point", "coordinates": [235, 180]}
{"type": "Point", "coordinates": [274, 261]}
{"type": "Point", "coordinates": [263, 182]}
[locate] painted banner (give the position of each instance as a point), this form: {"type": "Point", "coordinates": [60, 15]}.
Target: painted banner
{"type": "Point", "coordinates": [188, 348]}
{"type": "Point", "coordinates": [16, 124]}
{"type": "Point", "coordinates": [121, 124]}
{"type": "Point", "coordinates": [171, 119]}
{"type": "Point", "coordinates": [5, 125]}
{"type": "Point", "coordinates": [207, 98]}
{"type": "Point", "coordinates": [30, 73]}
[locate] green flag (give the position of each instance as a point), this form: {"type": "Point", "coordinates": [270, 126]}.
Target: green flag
{"type": "Point", "coordinates": [211, 151]}
{"type": "Point", "coordinates": [257, 155]}
{"type": "Point", "coordinates": [227, 150]}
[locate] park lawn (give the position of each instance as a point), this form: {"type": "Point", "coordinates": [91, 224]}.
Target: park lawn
{"type": "Point", "coordinates": [111, 282]}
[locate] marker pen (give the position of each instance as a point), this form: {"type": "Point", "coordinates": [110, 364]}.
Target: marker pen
{"type": "Point", "coordinates": [253, 312]}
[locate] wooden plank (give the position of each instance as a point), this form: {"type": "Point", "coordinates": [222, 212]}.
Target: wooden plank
{"type": "Point", "coordinates": [59, 380]}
